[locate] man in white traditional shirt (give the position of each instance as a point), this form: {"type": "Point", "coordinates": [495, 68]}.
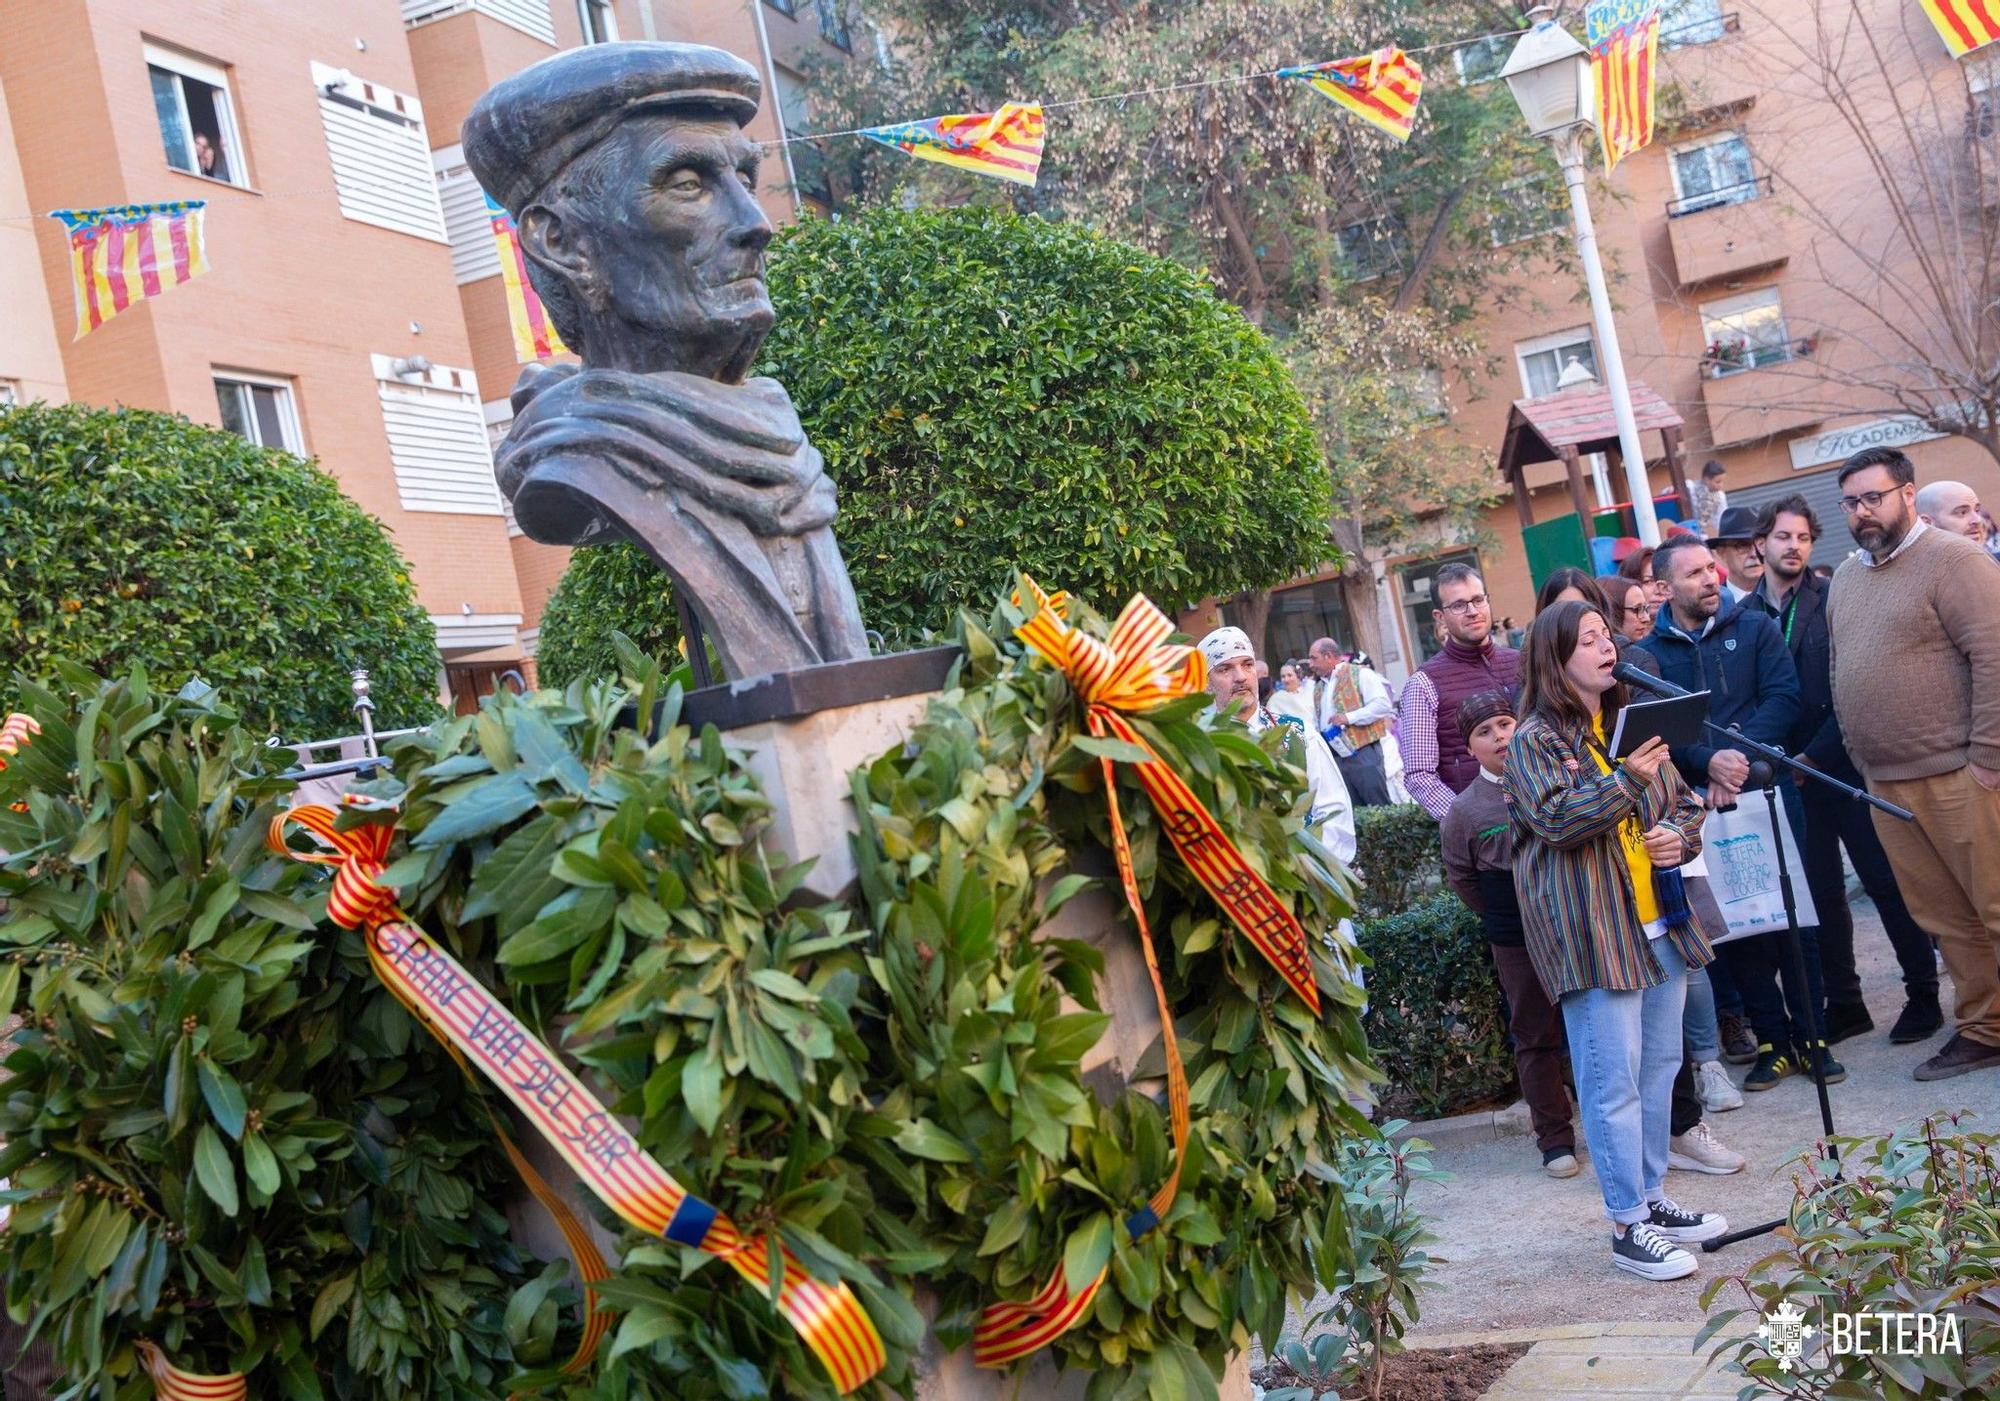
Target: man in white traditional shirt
{"type": "Point", "coordinates": [1232, 680]}
{"type": "Point", "coordinates": [1353, 706]}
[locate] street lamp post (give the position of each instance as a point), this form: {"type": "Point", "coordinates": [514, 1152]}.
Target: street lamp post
{"type": "Point", "coordinates": [1549, 76]}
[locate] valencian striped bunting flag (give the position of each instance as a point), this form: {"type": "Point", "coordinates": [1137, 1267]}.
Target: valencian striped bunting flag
{"type": "Point", "coordinates": [1006, 144]}
{"type": "Point", "coordinates": [535, 335]}
{"type": "Point", "coordinates": [1624, 39]}
{"type": "Point", "coordinates": [1964, 25]}
{"type": "Point", "coordinates": [127, 253]}
{"type": "Point", "coordinates": [1382, 88]}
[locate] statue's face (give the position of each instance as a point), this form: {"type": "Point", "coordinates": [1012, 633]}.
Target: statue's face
{"type": "Point", "coordinates": [676, 241]}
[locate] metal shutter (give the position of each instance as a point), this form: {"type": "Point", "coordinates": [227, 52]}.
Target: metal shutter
{"type": "Point", "coordinates": [1822, 491]}
{"type": "Point", "coordinates": [437, 439]}
{"type": "Point", "coordinates": [528, 16]}
{"type": "Point", "coordinates": [473, 253]}
{"type": "Point", "coordinates": [381, 158]}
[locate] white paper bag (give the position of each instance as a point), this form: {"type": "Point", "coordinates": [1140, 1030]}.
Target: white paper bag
{"type": "Point", "coordinates": [1743, 869]}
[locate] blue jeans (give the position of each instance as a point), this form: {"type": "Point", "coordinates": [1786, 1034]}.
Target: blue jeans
{"type": "Point", "coordinates": [1625, 1048]}
{"type": "Point", "coordinates": [1698, 1024]}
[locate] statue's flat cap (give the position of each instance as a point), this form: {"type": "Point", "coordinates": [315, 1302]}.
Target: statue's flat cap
{"type": "Point", "coordinates": [527, 127]}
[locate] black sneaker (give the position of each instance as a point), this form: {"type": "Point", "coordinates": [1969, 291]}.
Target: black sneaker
{"type": "Point", "coordinates": [1960, 1055]}
{"type": "Point", "coordinates": [1830, 1070]}
{"type": "Point", "coordinates": [1685, 1227]}
{"type": "Point", "coordinates": [1647, 1252]}
{"type": "Point", "coordinates": [1847, 1019]}
{"type": "Point", "coordinates": [1739, 1044]}
{"type": "Point", "coordinates": [1772, 1066]}
{"type": "Point", "coordinates": [1921, 1020]}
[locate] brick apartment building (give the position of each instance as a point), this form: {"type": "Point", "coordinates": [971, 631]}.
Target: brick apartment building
{"type": "Point", "coordinates": [355, 310]}
{"type": "Point", "coordinates": [1707, 238]}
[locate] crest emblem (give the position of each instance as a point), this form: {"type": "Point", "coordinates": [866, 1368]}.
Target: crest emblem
{"type": "Point", "coordinates": [1729, 644]}
{"type": "Point", "coordinates": [1784, 1332]}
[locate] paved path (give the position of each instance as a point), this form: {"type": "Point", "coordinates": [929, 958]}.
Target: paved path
{"type": "Point", "coordinates": [1529, 1257]}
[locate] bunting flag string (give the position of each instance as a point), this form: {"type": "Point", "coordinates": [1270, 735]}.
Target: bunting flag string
{"type": "Point", "coordinates": [1624, 39]}
{"type": "Point", "coordinates": [124, 254]}
{"type": "Point", "coordinates": [454, 1007]}
{"type": "Point", "coordinates": [1382, 88]}
{"type": "Point", "coordinates": [535, 336]}
{"type": "Point", "coordinates": [1006, 144]}
{"type": "Point", "coordinates": [1964, 25]}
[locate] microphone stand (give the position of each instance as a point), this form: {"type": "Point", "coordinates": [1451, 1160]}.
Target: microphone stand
{"type": "Point", "coordinates": [1770, 759]}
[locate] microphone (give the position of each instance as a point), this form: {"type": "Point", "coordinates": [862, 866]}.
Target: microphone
{"type": "Point", "coordinates": [1646, 681]}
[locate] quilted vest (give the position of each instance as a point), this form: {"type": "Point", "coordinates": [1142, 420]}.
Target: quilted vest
{"type": "Point", "coordinates": [1459, 672]}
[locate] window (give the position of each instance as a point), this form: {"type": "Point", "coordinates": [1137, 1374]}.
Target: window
{"type": "Point", "coordinates": [808, 166]}
{"type": "Point", "coordinates": [1684, 22]}
{"type": "Point", "coordinates": [197, 122]}
{"type": "Point", "coordinates": [833, 23]}
{"type": "Point", "coordinates": [1982, 82]}
{"type": "Point", "coordinates": [10, 393]}
{"type": "Point", "coordinates": [1544, 359]}
{"type": "Point", "coordinates": [1370, 248]}
{"type": "Point", "coordinates": [528, 16]}
{"type": "Point", "coordinates": [784, 7]}
{"type": "Point", "coordinates": [382, 168]}
{"type": "Point", "coordinates": [1481, 60]}
{"type": "Point", "coordinates": [1523, 209]}
{"type": "Point", "coordinates": [1424, 393]}
{"type": "Point", "coordinates": [1746, 333]}
{"type": "Point", "coordinates": [260, 408]}
{"type": "Point", "coordinates": [473, 252]}
{"type": "Point", "coordinates": [437, 437]}
{"type": "Point", "coordinates": [1298, 618]}
{"type": "Point", "coordinates": [1715, 170]}
{"type": "Point", "coordinates": [599, 25]}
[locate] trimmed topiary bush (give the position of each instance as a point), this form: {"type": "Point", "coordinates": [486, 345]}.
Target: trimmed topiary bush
{"type": "Point", "coordinates": [129, 537]}
{"type": "Point", "coordinates": [1434, 1020]}
{"type": "Point", "coordinates": [1397, 858]}
{"type": "Point", "coordinates": [993, 392]}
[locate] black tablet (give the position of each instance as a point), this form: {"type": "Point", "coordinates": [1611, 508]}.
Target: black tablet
{"type": "Point", "coordinates": [1676, 719]}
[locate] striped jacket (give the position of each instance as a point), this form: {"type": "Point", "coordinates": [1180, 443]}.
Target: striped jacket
{"type": "Point", "coordinates": [1582, 927]}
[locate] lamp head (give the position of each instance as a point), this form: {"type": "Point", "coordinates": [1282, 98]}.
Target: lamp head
{"type": "Point", "coordinates": [1549, 75]}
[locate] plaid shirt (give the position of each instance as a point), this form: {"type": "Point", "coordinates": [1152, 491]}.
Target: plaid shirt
{"type": "Point", "coordinates": [1583, 928]}
{"type": "Point", "coordinates": [1418, 733]}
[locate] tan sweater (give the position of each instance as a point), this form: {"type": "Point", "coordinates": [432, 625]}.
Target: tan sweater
{"type": "Point", "coordinates": [1916, 659]}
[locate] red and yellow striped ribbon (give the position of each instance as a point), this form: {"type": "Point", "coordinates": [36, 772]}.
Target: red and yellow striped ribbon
{"type": "Point", "coordinates": [170, 1383]}
{"type": "Point", "coordinates": [15, 732]}
{"type": "Point", "coordinates": [463, 1015]}
{"type": "Point", "coordinates": [1137, 671]}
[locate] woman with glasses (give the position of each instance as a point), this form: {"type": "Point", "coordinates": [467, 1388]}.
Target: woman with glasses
{"type": "Point", "coordinates": [1632, 608]}
{"type": "Point", "coordinates": [1611, 943]}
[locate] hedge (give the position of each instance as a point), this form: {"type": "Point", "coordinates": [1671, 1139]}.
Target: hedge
{"type": "Point", "coordinates": [992, 393]}
{"type": "Point", "coordinates": [1398, 858]}
{"type": "Point", "coordinates": [130, 537]}
{"type": "Point", "coordinates": [1434, 1017]}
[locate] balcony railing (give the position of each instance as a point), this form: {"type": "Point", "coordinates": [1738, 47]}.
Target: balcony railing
{"type": "Point", "coordinates": [1701, 31]}
{"type": "Point", "coordinates": [1720, 362]}
{"type": "Point", "coordinates": [1741, 192]}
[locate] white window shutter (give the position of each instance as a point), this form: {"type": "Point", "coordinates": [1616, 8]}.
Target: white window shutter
{"type": "Point", "coordinates": [437, 439]}
{"type": "Point", "coordinates": [499, 415]}
{"type": "Point", "coordinates": [528, 16]}
{"type": "Point", "coordinates": [381, 157]}
{"type": "Point", "coordinates": [473, 253]}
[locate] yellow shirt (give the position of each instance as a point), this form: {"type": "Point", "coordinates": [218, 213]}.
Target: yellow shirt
{"type": "Point", "coordinates": [1633, 840]}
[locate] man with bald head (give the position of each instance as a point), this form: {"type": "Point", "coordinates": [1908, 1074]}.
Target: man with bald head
{"type": "Point", "coordinates": [1352, 708]}
{"type": "Point", "coordinates": [1952, 506]}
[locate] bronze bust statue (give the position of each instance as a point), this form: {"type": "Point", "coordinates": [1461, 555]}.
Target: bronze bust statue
{"type": "Point", "coordinates": [632, 183]}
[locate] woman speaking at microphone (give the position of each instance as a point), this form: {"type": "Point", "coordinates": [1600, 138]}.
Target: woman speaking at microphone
{"type": "Point", "coordinates": [1611, 942]}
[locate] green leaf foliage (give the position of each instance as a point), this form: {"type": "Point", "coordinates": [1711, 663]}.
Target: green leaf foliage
{"type": "Point", "coordinates": [991, 387]}
{"type": "Point", "coordinates": [1435, 1022]}
{"type": "Point", "coordinates": [222, 1135]}
{"type": "Point", "coordinates": [1397, 858]}
{"type": "Point", "coordinates": [136, 538]}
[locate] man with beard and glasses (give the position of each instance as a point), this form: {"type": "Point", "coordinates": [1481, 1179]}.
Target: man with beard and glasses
{"type": "Point", "coordinates": [1232, 680]}
{"type": "Point", "coordinates": [1915, 618]}
{"type": "Point", "coordinates": [1437, 766]}
{"type": "Point", "coordinates": [1797, 599]}
{"type": "Point", "coordinates": [1736, 653]}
